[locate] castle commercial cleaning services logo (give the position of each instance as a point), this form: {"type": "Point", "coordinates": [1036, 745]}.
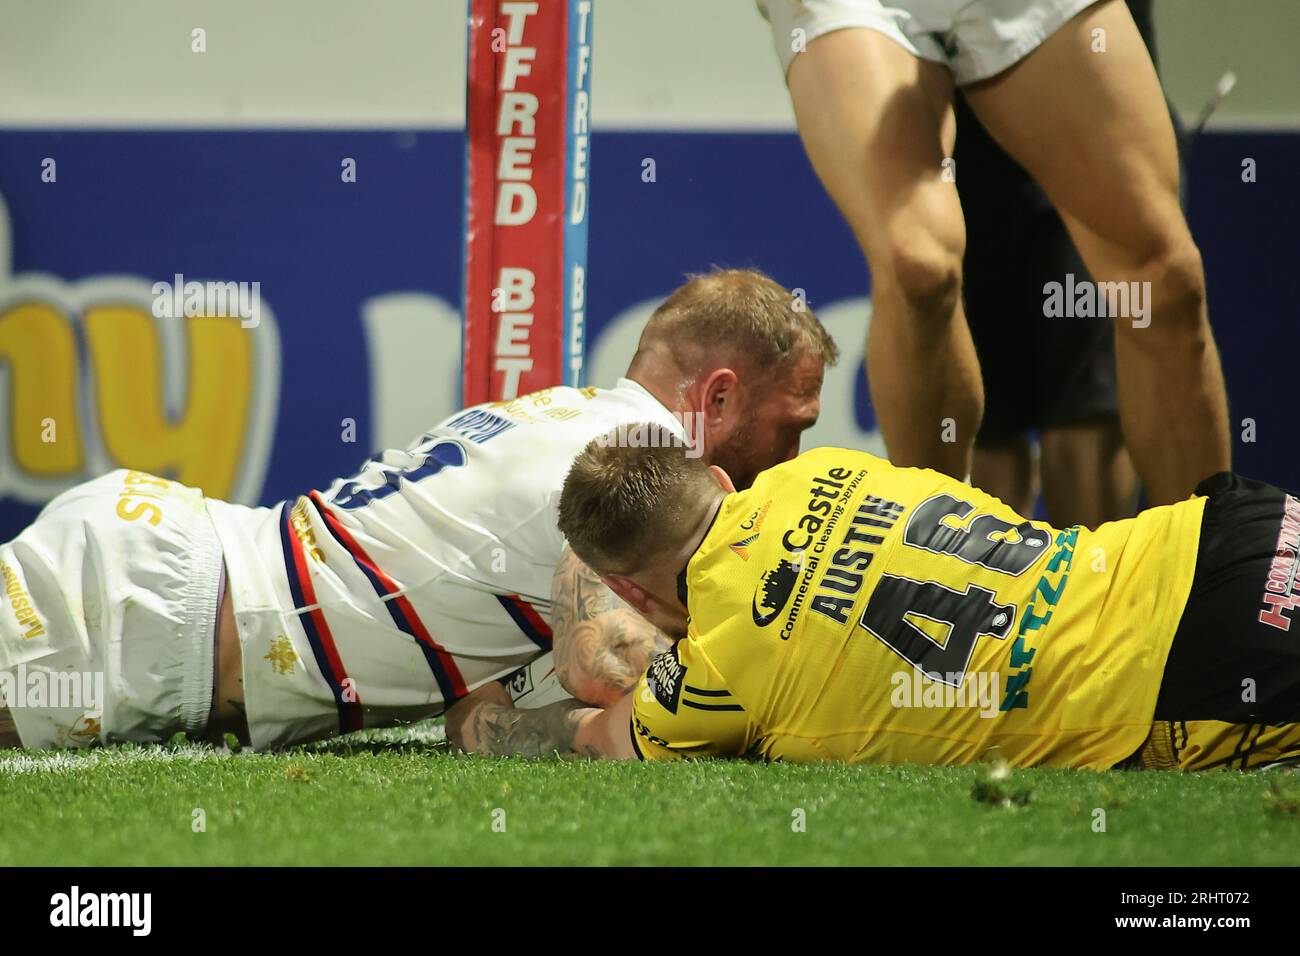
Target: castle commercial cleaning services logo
{"type": "Point", "coordinates": [773, 592]}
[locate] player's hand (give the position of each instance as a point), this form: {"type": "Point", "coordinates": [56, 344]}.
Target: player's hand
{"type": "Point", "coordinates": [460, 716]}
{"type": "Point", "coordinates": [493, 692]}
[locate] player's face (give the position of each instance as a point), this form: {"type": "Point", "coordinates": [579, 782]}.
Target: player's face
{"type": "Point", "coordinates": [653, 593]}
{"type": "Point", "coordinates": [665, 611]}
{"type": "Point", "coordinates": [780, 412]}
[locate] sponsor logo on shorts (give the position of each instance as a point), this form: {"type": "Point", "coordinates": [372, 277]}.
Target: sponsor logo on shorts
{"type": "Point", "coordinates": [282, 655]}
{"type": "Point", "coordinates": [82, 732]}
{"type": "Point", "coordinates": [1282, 589]}
{"type": "Point", "coordinates": [20, 602]}
{"type": "Point", "coordinates": [75, 908]}
{"type": "Point", "coordinates": [141, 497]}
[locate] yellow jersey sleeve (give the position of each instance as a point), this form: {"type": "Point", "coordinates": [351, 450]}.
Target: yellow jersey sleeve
{"type": "Point", "coordinates": [682, 708]}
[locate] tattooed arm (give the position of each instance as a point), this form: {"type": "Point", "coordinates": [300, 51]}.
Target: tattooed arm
{"type": "Point", "coordinates": [487, 722]}
{"type": "Point", "coordinates": [601, 648]}
{"type": "Point", "coordinates": [601, 645]}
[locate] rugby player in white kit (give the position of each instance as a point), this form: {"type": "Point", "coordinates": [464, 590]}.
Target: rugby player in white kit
{"type": "Point", "coordinates": [392, 595]}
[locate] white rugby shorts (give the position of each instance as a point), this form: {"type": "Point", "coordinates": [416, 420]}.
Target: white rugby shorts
{"type": "Point", "coordinates": [975, 39]}
{"type": "Point", "coordinates": [109, 614]}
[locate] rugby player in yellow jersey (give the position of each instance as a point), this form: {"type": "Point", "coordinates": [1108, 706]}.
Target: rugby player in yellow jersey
{"type": "Point", "coordinates": [845, 609]}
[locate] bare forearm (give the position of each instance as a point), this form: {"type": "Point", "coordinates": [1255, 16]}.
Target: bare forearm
{"type": "Point", "coordinates": [502, 729]}
{"type": "Point", "coordinates": [601, 645]}
{"type": "Point", "coordinates": [599, 661]}
{"type": "Point", "coordinates": [487, 722]}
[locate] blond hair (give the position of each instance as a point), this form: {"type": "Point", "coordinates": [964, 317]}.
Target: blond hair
{"type": "Point", "coordinates": [740, 315]}
{"type": "Point", "coordinates": [621, 506]}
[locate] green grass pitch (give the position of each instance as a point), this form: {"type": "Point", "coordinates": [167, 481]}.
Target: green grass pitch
{"type": "Point", "coordinates": [403, 799]}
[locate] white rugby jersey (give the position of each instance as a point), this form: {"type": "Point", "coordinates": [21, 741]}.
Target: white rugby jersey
{"type": "Point", "coordinates": [394, 593]}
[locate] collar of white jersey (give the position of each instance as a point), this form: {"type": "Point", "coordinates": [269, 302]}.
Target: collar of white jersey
{"type": "Point", "coordinates": [635, 386]}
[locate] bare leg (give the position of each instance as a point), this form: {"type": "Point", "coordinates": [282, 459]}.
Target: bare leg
{"type": "Point", "coordinates": [1093, 129]}
{"type": "Point", "coordinates": [1006, 471]}
{"type": "Point", "coordinates": [1088, 476]}
{"type": "Point", "coordinates": [228, 714]}
{"type": "Point", "coordinates": [8, 730]}
{"type": "Point", "coordinates": [877, 124]}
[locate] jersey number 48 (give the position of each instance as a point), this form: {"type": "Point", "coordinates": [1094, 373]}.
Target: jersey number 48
{"type": "Point", "coordinates": [969, 614]}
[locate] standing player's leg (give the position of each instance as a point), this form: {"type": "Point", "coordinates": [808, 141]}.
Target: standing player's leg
{"type": "Point", "coordinates": [1088, 475]}
{"type": "Point", "coordinates": [1093, 129]}
{"type": "Point", "coordinates": [877, 124]}
{"type": "Point", "coordinates": [1048, 374]}
{"type": "Point", "coordinates": [1005, 469]}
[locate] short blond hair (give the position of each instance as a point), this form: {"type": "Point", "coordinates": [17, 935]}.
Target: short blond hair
{"type": "Point", "coordinates": [621, 506]}
{"type": "Point", "coordinates": [740, 314]}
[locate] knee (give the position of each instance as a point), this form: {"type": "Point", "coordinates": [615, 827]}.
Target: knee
{"type": "Point", "coordinates": [1175, 291]}
{"type": "Point", "coordinates": [925, 271]}
{"type": "Point", "coordinates": [1178, 281]}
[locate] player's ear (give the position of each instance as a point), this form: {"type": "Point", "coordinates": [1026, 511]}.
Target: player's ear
{"type": "Point", "coordinates": [628, 590]}
{"type": "Point", "coordinates": [719, 395]}
{"type": "Point", "coordinates": [722, 478]}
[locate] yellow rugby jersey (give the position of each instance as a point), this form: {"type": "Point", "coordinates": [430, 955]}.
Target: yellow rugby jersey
{"type": "Point", "coordinates": [847, 609]}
